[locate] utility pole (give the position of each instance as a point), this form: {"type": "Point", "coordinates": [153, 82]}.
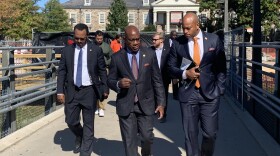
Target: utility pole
{"type": "Point", "coordinates": [226, 16]}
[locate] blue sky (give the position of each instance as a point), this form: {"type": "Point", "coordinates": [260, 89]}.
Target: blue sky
{"type": "Point", "coordinates": [42, 3]}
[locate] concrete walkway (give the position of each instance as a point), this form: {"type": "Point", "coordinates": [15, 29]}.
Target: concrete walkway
{"type": "Point", "coordinates": [239, 135]}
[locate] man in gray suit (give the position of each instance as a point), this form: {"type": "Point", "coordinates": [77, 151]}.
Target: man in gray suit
{"type": "Point", "coordinates": [135, 75]}
{"type": "Point", "coordinates": [203, 82]}
{"type": "Point", "coordinates": [81, 76]}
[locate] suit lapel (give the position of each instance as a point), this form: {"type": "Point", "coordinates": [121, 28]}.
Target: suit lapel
{"type": "Point", "coordinates": [72, 59]}
{"type": "Point", "coordinates": [142, 55]}
{"type": "Point", "coordinates": [205, 47]}
{"type": "Point", "coordinates": [186, 47]}
{"type": "Point", "coordinates": [126, 62]}
{"type": "Point", "coordinates": [90, 57]}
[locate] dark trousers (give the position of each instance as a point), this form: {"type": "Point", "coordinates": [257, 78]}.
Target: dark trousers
{"type": "Point", "coordinates": [198, 108]}
{"type": "Point", "coordinates": [85, 100]}
{"type": "Point", "coordinates": [130, 125]}
{"type": "Point", "coordinates": [175, 89]}
{"type": "Point", "coordinates": [166, 86]}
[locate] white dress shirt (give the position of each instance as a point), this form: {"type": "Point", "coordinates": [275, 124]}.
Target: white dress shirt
{"type": "Point", "coordinates": [159, 53]}
{"type": "Point", "coordinates": [85, 74]}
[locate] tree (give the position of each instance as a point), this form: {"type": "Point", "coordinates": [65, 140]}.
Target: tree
{"type": "Point", "coordinates": [18, 17]}
{"type": "Point", "coordinates": [244, 10]}
{"type": "Point", "coordinates": [118, 16]}
{"type": "Point", "coordinates": [55, 18]}
{"type": "Point", "coordinates": [149, 28]}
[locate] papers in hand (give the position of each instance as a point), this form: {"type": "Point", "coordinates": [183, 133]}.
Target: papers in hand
{"type": "Point", "coordinates": [185, 64]}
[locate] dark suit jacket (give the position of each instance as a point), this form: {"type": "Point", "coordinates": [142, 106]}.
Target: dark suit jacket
{"type": "Point", "coordinates": [96, 69]}
{"type": "Point", "coordinates": [148, 85]}
{"type": "Point", "coordinates": [163, 64]}
{"type": "Point", "coordinates": [213, 66]}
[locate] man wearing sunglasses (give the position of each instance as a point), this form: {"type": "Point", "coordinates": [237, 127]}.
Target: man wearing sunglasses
{"type": "Point", "coordinates": [81, 75]}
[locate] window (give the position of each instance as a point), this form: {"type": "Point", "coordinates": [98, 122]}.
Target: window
{"type": "Point", "coordinates": [131, 18]}
{"type": "Point", "coordinates": [73, 18]}
{"type": "Point", "coordinates": [87, 2]}
{"type": "Point", "coordinates": [146, 19]}
{"type": "Point", "coordinates": [145, 2]}
{"type": "Point", "coordinates": [101, 18]}
{"type": "Point", "coordinates": [88, 18]}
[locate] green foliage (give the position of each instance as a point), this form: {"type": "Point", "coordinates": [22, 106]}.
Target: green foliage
{"type": "Point", "coordinates": [118, 16]}
{"type": "Point", "coordinates": [149, 28]}
{"type": "Point", "coordinates": [244, 10]}
{"type": "Point", "coordinates": [25, 17]}
{"type": "Point", "coordinates": [54, 17]}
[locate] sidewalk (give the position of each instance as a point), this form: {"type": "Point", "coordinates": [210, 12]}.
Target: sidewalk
{"type": "Point", "coordinates": [50, 136]}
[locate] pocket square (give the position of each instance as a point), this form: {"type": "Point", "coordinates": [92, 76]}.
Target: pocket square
{"type": "Point", "coordinates": [211, 49]}
{"type": "Point", "coordinates": [146, 64]}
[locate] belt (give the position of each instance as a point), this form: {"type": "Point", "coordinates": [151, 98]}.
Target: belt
{"type": "Point", "coordinates": [82, 87]}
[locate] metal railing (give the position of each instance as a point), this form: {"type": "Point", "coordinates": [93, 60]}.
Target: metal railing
{"type": "Point", "coordinates": [27, 95]}
{"type": "Point", "coordinates": [254, 82]}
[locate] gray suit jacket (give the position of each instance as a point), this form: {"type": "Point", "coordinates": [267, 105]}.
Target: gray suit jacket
{"type": "Point", "coordinates": [96, 69]}
{"type": "Point", "coordinates": [149, 85]}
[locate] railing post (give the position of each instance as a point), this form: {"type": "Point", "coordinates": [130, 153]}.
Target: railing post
{"type": "Point", "coordinates": [8, 86]}
{"type": "Point", "coordinates": [50, 105]}
{"type": "Point", "coordinates": [277, 75]}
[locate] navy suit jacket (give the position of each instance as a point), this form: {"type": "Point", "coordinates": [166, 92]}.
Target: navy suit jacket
{"type": "Point", "coordinates": [213, 66]}
{"type": "Point", "coordinates": [96, 68]}
{"type": "Point", "coordinates": [149, 86]}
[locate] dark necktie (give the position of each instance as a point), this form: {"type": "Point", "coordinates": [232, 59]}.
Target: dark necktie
{"type": "Point", "coordinates": [79, 69]}
{"type": "Point", "coordinates": [196, 57]}
{"type": "Point", "coordinates": [134, 68]}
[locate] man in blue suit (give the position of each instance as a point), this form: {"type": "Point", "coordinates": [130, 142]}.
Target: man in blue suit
{"type": "Point", "coordinates": [82, 78]}
{"type": "Point", "coordinates": [198, 60]}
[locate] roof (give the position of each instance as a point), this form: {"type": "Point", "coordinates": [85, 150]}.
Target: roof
{"type": "Point", "coordinates": [103, 4]}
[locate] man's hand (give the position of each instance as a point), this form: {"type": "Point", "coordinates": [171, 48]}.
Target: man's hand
{"type": "Point", "coordinates": [60, 98]}
{"type": "Point", "coordinates": [124, 83]}
{"type": "Point", "coordinates": [175, 81]}
{"type": "Point", "coordinates": [191, 74]}
{"type": "Point", "coordinates": [105, 95]}
{"type": "Point", "coordinates": [160, 111]}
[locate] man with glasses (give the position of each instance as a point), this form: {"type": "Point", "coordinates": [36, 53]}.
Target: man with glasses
{"type": "Point", "coordinates": [162, 53]}
{"type": "Point", "coordinates": [81, 74]}
{"type": "Point", "coordinates": [134, 74]}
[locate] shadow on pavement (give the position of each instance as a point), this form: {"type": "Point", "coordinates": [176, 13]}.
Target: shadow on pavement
{"type": "Point", "coordinates": [65, 139]}
{"type": "Point", "coordinates": [106, 147]}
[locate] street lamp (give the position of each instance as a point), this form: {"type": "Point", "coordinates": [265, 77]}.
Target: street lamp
{"type": "Point", "coordinates": [203, 21]}
{"type": "Point", "coordinates": [233, 18]}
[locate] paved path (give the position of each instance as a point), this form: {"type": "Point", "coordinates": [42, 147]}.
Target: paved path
{"type": "Point", "coordinates": [239, 135]}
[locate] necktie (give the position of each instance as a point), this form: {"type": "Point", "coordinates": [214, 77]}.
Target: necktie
{"type": "Point", "coordinates": [196, 57]}
{"type": "Point", "coordinates": [79, 69]}
{"type": "Point", "coordinates": [134, 68]}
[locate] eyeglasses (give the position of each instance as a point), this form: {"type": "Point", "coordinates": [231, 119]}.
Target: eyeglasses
{"type": "Point", "coordinates": [154, 39]}
{"type": "Point", "coordinates": [133, 39]}
{"type": "Point", "coordinates": [82, 39]}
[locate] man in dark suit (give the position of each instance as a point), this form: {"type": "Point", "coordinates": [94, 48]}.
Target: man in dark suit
{"type": "Point", "coordinates": [203, 74]}
{"type": "Point", "coordinates": [134, 74]}
{"type": "Point", "coordinates": [162, 53]}
{"type": "Point", "coordinates": [175, 82]}
{"type": "Point", "coordinates": [81, 76]}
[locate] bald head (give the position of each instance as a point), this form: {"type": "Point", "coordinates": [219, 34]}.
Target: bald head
{"type": "Point", "coordinates": [132, 38]}
{"type": "Point", "coordinates": [130, 30]}
{"type": "Point", "coordinates": [190, 25]}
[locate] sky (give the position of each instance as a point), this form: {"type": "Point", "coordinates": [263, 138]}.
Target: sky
{"type": "Point", "coordinates": [42, 3]}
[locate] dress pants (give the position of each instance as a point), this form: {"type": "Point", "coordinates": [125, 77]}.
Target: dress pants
{"type": "Point", "coordinates": [85, 100]}
{"type": "Point", "coordinates": [200, 109]}
{"type": "Point", "coordinates": [130, 125]}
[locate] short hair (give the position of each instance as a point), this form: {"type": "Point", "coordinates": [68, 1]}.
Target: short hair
{"type": "Point", "coordinates": [173, 32]}
{"type": "Point", "coordinates": [99, 33]}
{"type": "Point", "coordinates": [160, 34]}
{"type": "Point", "coordinates": [81, 26]}
{"type": "Point", "coordinates": [117, 36]}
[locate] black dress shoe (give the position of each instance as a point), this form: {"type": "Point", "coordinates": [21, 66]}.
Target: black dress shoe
{"type": "Point", "coordinates": [78, 143]}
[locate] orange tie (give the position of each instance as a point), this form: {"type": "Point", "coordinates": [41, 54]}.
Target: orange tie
{"type": "Point", "coordinates": [196, 57]}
